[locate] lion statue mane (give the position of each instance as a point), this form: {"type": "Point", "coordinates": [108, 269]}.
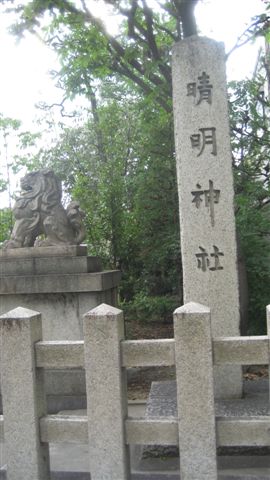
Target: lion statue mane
{"type": "Point", "coordinates": [39, 211]}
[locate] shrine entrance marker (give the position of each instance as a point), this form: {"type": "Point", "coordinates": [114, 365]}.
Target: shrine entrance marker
{"type": "Point", "coordinates": [205, 187]}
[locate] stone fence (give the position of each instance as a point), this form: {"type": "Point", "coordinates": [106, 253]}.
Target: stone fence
{"type": "Point", "coordinates": [105, 355]}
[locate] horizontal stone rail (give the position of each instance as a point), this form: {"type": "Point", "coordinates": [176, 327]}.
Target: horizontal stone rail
{"type": "Point", "coordinates": [241, 350]}
{"type": "Point", "coordinates": [145, 353]}
{"type": "Point", "coordinates": [253, 350]}
{"type": "Point", "coordinates": [231, 431]}
{"type": "Point", "coordinates": [60, 354]}
{"type": "Point", "coordinates": [73, 429]}
{"type": "Point", "coordinates": [64, 429]}
{"type": "Point", "coordinates": [243, 431]}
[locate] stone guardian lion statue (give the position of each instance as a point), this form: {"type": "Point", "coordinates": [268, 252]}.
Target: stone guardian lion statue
{"type": "Point", "coordinates": [39, 211]}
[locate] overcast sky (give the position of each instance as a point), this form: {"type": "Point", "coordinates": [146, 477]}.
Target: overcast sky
{"type": "Point", "coordinates": [24, 66]}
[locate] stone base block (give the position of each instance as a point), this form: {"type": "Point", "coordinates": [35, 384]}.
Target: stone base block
{"type": "Point", "coordinates": [49, 265]}
{"type": "Point", "coordinates": [162, 403]}
{"type": "Point", "coordinates": [61, 312]}
{"type": "Point", "coordinates": [62, 283]}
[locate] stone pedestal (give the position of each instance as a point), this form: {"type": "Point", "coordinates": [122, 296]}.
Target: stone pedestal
{"type": "Point", "coordinates": [62, 283]}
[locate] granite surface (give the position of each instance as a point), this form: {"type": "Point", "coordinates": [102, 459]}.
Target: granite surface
{"type": "Point", "coordinates": [162, 400]}
{"type": "Point", "coordinates": [205, 188]}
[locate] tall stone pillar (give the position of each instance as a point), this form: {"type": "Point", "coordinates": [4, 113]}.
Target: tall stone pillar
{"type": "Point", "coordinates": [205, 186]}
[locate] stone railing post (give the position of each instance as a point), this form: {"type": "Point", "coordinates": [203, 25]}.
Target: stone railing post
{"type": "Point", "coordinates": [268, 333]}
{"type": "Point", "coordinates": [106, 395]}
{"type": "Point", "coordinates": [23, 395]}
{"type": "Point", "coordinates": [195, 392]}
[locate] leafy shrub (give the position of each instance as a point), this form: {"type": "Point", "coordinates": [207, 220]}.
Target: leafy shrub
{"type": "Point", "coordinates": [144, 308]}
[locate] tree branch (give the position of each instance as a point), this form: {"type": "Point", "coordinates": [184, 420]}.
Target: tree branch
{"type": "Point", "coordinates": [249, 33]}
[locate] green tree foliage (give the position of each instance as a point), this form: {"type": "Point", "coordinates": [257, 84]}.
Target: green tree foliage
{"type": "Point", "coordinates": [140, 52]}
{"type": "Point", "coordinates": [120, 165]}
{"type": "Point", "coordinates": [250, 142]}
{"type": "Point", "coordinates": [5, 224]}
{"type": "Point", "coordinates": [8, 129]}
